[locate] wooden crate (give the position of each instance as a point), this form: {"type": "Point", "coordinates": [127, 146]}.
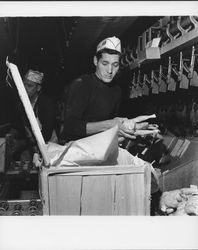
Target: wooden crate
{"type": "Point", "coordinates": [94, 190]}
{"type": "Point", "coordinates": [106, 190]}
{"type": "Point", "coordinates": [181, 176]}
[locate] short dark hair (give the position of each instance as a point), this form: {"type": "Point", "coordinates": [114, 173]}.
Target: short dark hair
{"type": "Point", "coordinates": [108, 51]}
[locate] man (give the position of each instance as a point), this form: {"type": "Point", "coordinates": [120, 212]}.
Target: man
{"type": "Point", "coordinates": [25, 144]}
{"type": "Point", "coordinates": [93, 100]}
{"type": "Point", "coordinates": [43, 106]}
{"type": "Point", "coordinates": [32, 82]}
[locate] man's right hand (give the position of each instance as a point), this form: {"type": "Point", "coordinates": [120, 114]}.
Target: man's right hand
{"type": "Point", "coordinates": [96, 127]}
{"type": "Point", "coordinates": [123, 132]}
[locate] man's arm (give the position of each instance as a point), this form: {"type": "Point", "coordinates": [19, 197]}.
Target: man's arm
{"type": "Point", "coordinates": [75, 126]}
{"type": "Point", "coordinates": [96, 127]}
{"type": "Point", "coordinates": [47, 115]}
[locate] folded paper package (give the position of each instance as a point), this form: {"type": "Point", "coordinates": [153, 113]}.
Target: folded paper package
{"type": "Point", "coordinates": [92, 150]}
{"type": "Point", "coordinates": [99, 149]}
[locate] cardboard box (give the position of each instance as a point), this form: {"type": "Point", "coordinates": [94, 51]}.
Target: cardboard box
{"type": "Point", "coordinates": [182, 171]}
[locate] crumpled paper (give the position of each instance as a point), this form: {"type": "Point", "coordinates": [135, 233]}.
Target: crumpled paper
{"type": "Point", "coordinates": [97, 149]}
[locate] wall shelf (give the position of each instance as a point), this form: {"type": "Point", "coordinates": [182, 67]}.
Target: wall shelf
{"type": "Point", "coordinates": [180, 43]}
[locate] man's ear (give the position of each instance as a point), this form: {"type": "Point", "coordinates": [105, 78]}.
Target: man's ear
{"type": "Point", "coordinates": [95, 61]}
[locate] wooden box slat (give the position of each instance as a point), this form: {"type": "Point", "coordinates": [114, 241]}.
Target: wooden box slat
{"type": "Point", "coordinates": [63, 197]}
{"type": "Point", "coordinates": [129, 200]}
{"type": "Point", "coordinates": [97, 195]}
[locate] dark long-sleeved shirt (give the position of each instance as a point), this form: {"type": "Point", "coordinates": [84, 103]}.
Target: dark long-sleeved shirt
{"type": "Point", "coordinates": [89, 100]}
{"type": "Point", "coordinates": [46, 112]}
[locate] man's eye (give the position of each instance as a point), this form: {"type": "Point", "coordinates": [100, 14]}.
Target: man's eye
{"type": "Point", "coordinates": [116, 65]}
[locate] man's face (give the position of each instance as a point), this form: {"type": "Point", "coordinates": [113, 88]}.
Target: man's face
{"type": "Point", "coordinates": [31, 87]}
{"type": "Point", "coordinates": [107, 67]}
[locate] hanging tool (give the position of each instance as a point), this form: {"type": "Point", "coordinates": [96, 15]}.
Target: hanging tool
{"type": "Point", "coordinates": [167, 37]}
{"type": "Point", "coordinates": [146, 38]}
{"type": "Point", "coordinates": [124, 62]}
{"type": "Point", "coordinates": [140, 44]}
{"type": "Point", "coordinates": [181, 78]}
{"type": "Point", "coordinates": [187, 23]}
{"type": "Point", "coordinates": [174, 28]}
{"type": "Point", "coordinates": [132, 88]}
{"type": "Point", "coordinates": [179, 27]}
{"type": "Point", "coordinates": [133, 57]}
{"type": "Point", "coordinates": [169, 80]}
{"type": "Point", "coordinates": [128, 56]}
{"type": "Point", "coordinates": [192, 74]}
{"type": "Point", "coordinates": [154, 83]}
{"type": "Point", "coordinates": [176, 71]}
{"type": "Point", "coordinates": [156, 29]}
{"type": "Point", "coordinates": [139, 85]}
{"type": "Point", "coordinates": [161, 82]}
{"type": "Point", "coordinates": [184, 81]}
{"type": "Point", "coordinates": [135, 86]}
{"type": "Point", "coordinates": [145, 87]}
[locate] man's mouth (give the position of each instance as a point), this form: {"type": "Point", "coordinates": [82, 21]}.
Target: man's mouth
{"type": "Point", "coordinates": [109, 77]}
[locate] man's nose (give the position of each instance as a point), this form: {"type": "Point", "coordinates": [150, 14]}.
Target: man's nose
{"type": "Point", "coordinates": [110, 68]}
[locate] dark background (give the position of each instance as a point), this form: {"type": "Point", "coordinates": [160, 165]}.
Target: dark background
{"type": "Point", "coordinates": [61, 47]}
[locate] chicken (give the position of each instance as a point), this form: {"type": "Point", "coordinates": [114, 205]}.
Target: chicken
{"type": "Point", "coordinates": [180, 201]}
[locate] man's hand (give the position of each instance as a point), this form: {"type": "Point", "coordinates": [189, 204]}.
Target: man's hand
{"type": "Point", "coordinates": [121, 119]}
{"type": "Point", "coordinates": [123, 132]}
{"type": "Point", "coordinates": [37, 160]}
{"type": "Point", "coordinates": [138, 122]}
{"type": "Point", "coordinates": [139, 126]}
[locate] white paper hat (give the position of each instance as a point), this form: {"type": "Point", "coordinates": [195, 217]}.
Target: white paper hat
{"type": "Point", "coordinates": [34, 76]}
{"type": "Point", "coordinates": [110, 43]}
